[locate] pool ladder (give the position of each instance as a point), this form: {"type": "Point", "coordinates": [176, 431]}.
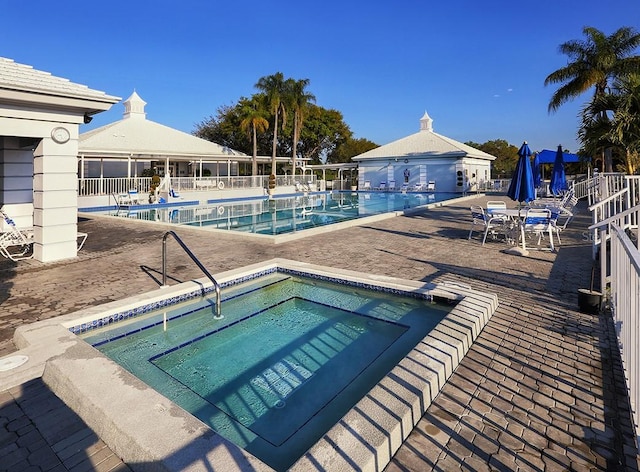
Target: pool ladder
{"type": "Point", "coordinates": [216, 285]}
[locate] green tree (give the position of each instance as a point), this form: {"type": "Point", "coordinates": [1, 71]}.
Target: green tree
{"type": "Point", "coordinates": [349, 148]}
{"type": "Point", "coordinates": [298, 100]}
{"type": "Point", "coordinates": [224, 128]}
{"type": "Point", "coordinates": [594, 62]}
{"type": "Point", "coordinates": [506, 156]}
{"type": "Point", "coordinates": [324, 132]}
{"type": "Point", "coordinates": [254, 121]}
{"type": "Point", "coordinates": [274, 89]}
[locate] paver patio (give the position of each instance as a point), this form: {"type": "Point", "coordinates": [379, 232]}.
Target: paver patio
{"type": "Point", "coordinates": [542, 388]}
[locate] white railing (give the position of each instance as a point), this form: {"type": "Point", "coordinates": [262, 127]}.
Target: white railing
{"type": "Point", "coordinates": [120, 185]}
{"type": "Point", "coordinates": [620, 284]}
{"type": "Point", "coordinates": [112, 185]}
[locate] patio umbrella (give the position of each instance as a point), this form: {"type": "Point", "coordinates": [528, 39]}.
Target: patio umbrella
{"type": "Point", "coordinates": [521, 188]}
{"type": "Point", "coordinates": [537, 178]}
{"type": "Point", "coordinates": [558, 178]}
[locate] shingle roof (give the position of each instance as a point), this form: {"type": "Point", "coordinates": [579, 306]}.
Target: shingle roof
{"type": "Point", "coordinates": [424, 143]}
{"type": "Point", "coordinates": [135, 135]}
{"type": "Point", "coordinates": [24, 78]}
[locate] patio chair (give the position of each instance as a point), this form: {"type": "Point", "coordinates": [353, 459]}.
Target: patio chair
{"type": "Point", "coordinates": [431, 186]}
{"type": "Point", "coordinates": [495, 205]}
{"type": "Point", "coordinates": [537, 222]}
{"type": "Point", "coordinates": [15, 244]}
{"type": "Point", "coordinates": [367, 185]}
{"type": "Point", "coordinates": [392, 185]}
{"type": "Point", "coordinates": [495, 225]}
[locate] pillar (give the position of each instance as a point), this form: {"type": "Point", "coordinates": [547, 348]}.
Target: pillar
{"type": "Point", "coordinates": [55, 198]}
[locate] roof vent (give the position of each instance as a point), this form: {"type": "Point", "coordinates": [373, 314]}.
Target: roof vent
{"type": "Point", "coordinates": [134, 106]}
{"type": "Point", "coordinates": [426, 123]}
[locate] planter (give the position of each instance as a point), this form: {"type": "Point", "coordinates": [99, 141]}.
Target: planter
{"type": "Point", "coordinates": [589, 301]}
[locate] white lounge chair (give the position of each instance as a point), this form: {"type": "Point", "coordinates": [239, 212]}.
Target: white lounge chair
{"type": "Point", "coordinates": [431, 186]}
{"type": "Point", "coordinates": [134, 197]}
{"type": "Point", "coordinates": [15, 244]}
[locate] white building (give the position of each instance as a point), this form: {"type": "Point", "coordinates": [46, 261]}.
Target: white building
{"type": "Point", "coordinates": [423, 157]}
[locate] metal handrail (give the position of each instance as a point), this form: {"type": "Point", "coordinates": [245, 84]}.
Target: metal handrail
{"type": "Point", "coordinates": [218, 315]}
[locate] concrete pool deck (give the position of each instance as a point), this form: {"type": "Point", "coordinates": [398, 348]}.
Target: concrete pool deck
{"type": "Point", "coordinates": [541, 389]}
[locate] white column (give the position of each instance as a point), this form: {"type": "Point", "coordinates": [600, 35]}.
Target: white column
{"type": "Point", "coordinates": [55, 198]}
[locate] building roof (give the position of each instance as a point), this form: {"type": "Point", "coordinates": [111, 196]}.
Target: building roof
{"type": "Point", "coordinates": [424, 143]}
{"type": "Point", "coordinates": [18, 82]}
{"type": "Point", "coordinates": [136, 137]}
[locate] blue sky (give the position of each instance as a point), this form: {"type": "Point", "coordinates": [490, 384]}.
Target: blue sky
{"type": "Point", "coordinates": [477, 68]}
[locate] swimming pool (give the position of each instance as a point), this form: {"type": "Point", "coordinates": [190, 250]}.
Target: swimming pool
{"type": "Point", "coordinates": [286, 215]}
{"type": "Point", "coordinates": [291, 356]}
{"type": "Point", "coordinates": [147, 429]}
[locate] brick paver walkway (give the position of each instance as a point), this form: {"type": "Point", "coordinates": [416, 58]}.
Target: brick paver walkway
{"type": "Point", "coordinates": [541, 389]}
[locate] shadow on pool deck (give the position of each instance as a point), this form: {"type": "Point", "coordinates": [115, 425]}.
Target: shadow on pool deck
{"type": "Point", "coordinates": [541, 389]}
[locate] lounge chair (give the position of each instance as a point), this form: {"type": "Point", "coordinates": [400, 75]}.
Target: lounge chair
{"type": "Point", "coordinates": [431, 186]}
{"type": "Point", "coordinates": [15, 244]}
{"type": "Point", "coordinates": [134, 197]}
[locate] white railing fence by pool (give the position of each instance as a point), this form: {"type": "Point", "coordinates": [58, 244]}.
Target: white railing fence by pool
{"type": "Point", "coordinates": [620, 285]}
{"type": "Point", "coordinates": [120, 185]}
{"type": "Point", "coordinates": [112, 185]}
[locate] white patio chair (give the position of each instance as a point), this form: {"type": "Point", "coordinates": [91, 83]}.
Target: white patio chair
{"type": "Point", "coordinates": [431, 186]}
{"type": "Point", "coordinates": [367, 185]}
{"type": "Point", "coordinates": [15, 244]}
{"type": "Point", "coordinates": [495, 225]}
{"type": "Point", "coordinates": [496, 205]}
{"type": "Point", "coordinates": [392, 185]}
{"type": "Point", "coordinates": [537, 222]}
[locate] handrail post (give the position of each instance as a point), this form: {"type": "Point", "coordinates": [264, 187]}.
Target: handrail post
{"type": "Point", "coordinates": [218, 311]}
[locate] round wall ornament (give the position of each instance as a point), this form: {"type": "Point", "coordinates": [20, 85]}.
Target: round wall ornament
{"type": "Point", "coordinates": [406, 161]}
{"type": "Point", "coordinates": [60, 135]}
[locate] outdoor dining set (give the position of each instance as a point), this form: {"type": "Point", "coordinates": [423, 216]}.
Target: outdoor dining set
{"type": "Point", "coordinates": [543, 219]}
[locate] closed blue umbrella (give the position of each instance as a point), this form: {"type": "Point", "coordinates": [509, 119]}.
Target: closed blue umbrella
{"type": "Point", "coordinates": [558, 182]}
{"type": "Point", "coordinates": [521, 188]}
{"type": "Point", "coordinates": [537, 178]}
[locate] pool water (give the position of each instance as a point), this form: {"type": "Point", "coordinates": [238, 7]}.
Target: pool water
{"type": "Point", "coordinates": [291, 356]}
{"type": "Point", "coordinates": [283, 215]}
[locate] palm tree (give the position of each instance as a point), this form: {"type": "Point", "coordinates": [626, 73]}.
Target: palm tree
{"type": "Point", "coordinates": [594, 62]}
{"type": "Point", "coordinates": [253, 122]}
{"type": "Point", "coordinates": [298, 99]}
{"type": "Point", "coordinates": [273, 88]}
{"type": "Point", "coordinates": [622, 130]}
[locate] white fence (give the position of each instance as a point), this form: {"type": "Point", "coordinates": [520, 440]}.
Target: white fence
{"type": "Point", "coordinates": [616, 213]}
{"type": "Point", "coordinates": [620, 284]}
{"type": "Point", "coordinates": [120, 185]}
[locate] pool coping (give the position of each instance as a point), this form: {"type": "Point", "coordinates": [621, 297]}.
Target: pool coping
{"type": "Point", "coordinates": [287, 237]}
{"type": "Point", "coordinates": [149, 431]}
